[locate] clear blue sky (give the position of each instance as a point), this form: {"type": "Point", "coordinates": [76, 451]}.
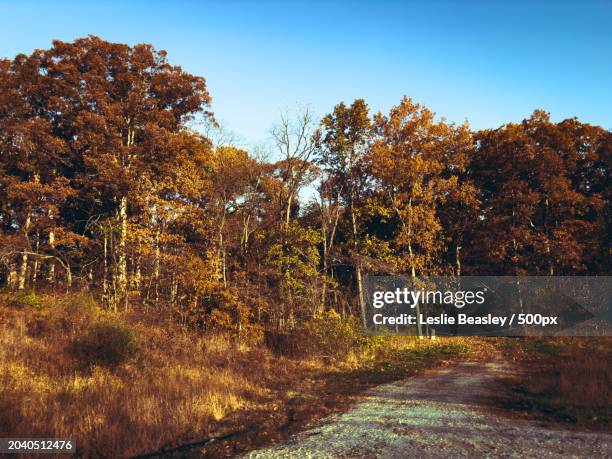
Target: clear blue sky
{"type": "Point", "coordinates": [489, 62]}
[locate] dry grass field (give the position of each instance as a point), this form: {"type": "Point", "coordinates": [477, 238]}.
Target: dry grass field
{"type": "Point", "coordinates": [126, 384]}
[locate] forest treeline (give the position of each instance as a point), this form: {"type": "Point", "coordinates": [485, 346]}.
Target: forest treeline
{"type": "Point", "coordinates": [107, 185]}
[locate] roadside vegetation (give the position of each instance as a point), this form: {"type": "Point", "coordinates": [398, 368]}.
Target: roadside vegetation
{"type": "Point", "coordinates": [566, 380]}
{"type": "Point", "coordinates": [129, 383]}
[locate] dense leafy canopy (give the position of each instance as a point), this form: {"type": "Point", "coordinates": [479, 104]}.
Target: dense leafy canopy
{"type": "Point", "coordinates": [104, 186]}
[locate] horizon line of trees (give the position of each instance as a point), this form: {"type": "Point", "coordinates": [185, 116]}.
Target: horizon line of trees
{"type": "Point", "coordinates": [104, 186]}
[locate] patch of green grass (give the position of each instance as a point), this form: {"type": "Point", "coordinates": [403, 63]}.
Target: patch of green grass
{"type": "Point", "coordinates": [25, 299]}
{"type": "Point", "coordinates": [530, 345]}
{"type": "Point", "coordinates": [401, 359]}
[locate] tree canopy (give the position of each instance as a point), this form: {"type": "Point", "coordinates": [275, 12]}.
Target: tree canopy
{"type": "Point", "coordinates": [105, 185]}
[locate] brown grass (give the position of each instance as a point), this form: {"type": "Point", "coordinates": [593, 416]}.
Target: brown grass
{"type": "Point", "coordinates": [585, 375]}
{"type": "Point", "coordinates": [565, 379]}
{"type": "Point", "coordinates": [171, 391]}
{"type": "Point", "coordinates": [180, 387]}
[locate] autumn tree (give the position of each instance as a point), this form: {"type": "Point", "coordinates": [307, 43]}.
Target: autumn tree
{"type": "Point", "coordinates": [235, 175]}
{"type": "Point", "coordinates": [33, 177]}
{"type": "Point", "coordinates": [414, 161]}
{"type": "Point", "coordinates": [295, 140]}
{"type": "Point", "coordinates": [114, 106]}
{"type": "Point", "coordinates": [541, 213]}
{"type": "Point", "coordinates": [344, 144]}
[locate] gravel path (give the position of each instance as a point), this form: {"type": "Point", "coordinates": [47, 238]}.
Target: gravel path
{"type": "Point", "coordinates": [438, 415]}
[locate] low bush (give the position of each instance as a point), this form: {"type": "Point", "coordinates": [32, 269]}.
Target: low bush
{"type": "Point", "coordinates": [286, 344]}
{"type": "Point", "coordinates": [83, 301]}
{"type": "Point", "coordinates": [25, 299]}
{"type": "Point", "coordinates": [330, 335]}
{"type": "Point", "coordinates": [105, 344]}
{"type": "Point", "coordinates": [325, 335]}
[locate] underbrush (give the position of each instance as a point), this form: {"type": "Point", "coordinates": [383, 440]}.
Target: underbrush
{"type": "Point", "coordinates": [125, 384]}
{"type": "Point", "coordinates": [104, 344]}
{"type": "Point", "coordinates": [565, 379]}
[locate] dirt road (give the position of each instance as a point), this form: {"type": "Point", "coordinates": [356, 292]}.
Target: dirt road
{"type": "Point", "coordinates": [438, 415]}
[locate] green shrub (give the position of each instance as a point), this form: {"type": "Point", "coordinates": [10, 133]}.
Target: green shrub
{"type": "Point", "coordinates": [330, 335]}
{"type": "Point", "coordinates": [25, 299]}
{"type": "Point", "coordinates": [325, 335]}
{"type": "Point", "coordinates": [104, 344]}
{"type": "Point", "coordinates": [374, 344]}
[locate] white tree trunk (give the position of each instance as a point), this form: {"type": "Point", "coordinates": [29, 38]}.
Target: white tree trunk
{"type": "Point", "coordinates": [36, 262]}
{"type": "Point", "coordinates": [122, 268]}
{"type": "Point", "coordinates": [51, 272]}
{"type": "Point", "coordinates": [156, 265]}
{"type": "Point", "coordinates": [23, 270]}
{"type": "Point", "coordinates": [105, 273]}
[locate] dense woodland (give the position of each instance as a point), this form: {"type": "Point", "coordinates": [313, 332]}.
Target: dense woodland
{"type": "Point", "coordinates": [107, 183]}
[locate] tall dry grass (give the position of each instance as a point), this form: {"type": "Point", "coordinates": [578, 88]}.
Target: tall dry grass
{"type": "Point", "coordinates": [580, 372]}
{"type": "Point", "coordinates": [127, 384]}
{"type": "Point", "coordinates": [173, 389]}
{"type": "Point", "coordinates": [567, 379]}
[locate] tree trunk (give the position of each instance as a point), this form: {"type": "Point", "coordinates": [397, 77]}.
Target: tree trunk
{"type": "Point", "coordinates": [105, 271]}
{"type": "Point", "coordinates": [419, 327]}
{"type": "Point", "coordinates": [138, 275]}
{"type": "Point", "coordinates": [551, 265]}
{"type": "Point", "coordinates": [68, 278]}
{"type": "Point", "coordinates": [224, 268]}
{"type": "Point", "coordinates": [288, 210]}
{"type": "Point", "coordinates": [417, 306]}
{"type": "Point", "coordinates": [361, 298]}
{"type": "Point", "coordinates": [36, 262]}
{"type": "Point", "coordinates": [327, 251]}
{"type": "Point", "coordinates": [551, 268]}
{"type": "Point", "coordinates": [221, 250]}
{"type": "Point", "coordinates": [51, 271]}
{"type": "Point", "coordinates": [517, 279]}
{"type": "Point", "coordinates": [157, 265]}
{"type": "Point", "coordinates": [12, 277]}
{"type": "Point", "coordinates": [324, 285]}
{"type": "Point", "coordinates": [122, 268]}
{"type": "Point", "coordinates": [516, 254]}
{"type": "Point", "coordinates": [358, 269]}
{"type": "Point", "coordinates": [244, 240]}
{"type": "Point", "coordinates": [453, 310]}
{"type": "Point", "coordinates": [174, 290]}
{"type": "Point", "coordinates": [458, 260]}
{"type": "Point", "coordinates": [23, 270]}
